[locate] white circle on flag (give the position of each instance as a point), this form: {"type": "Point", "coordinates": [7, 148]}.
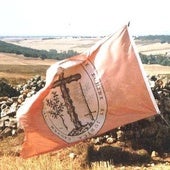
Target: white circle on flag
{"type": "Point", "coordinates": [76, 106]}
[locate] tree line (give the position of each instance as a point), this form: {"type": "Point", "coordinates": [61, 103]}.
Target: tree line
{"type": "Point", "coordinates": [29, 52]}
{"type": "Point", "coordinates": [54, 54]}
{"type": "Point", "coordinates": [158, 38]}
{"type": "Point", "coordinates": [155, 59]}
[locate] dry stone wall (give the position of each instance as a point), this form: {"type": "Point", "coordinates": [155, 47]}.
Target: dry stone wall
{"type": "Point", "coordinates": [151, 134]}
{"type": "Point", "coordinates": [11, 99]}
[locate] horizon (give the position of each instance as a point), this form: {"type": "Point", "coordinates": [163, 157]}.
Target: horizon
{"type": "Point", "coordinates": [69, 36]}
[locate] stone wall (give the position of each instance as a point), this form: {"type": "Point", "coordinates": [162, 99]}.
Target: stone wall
{"type": "Point", "coordinates": [11, 99]}
{"type": "Point", "coordinates": [151, 134]}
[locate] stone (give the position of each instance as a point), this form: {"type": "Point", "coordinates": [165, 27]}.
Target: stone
{"type": "Point", "coordinates": [6, 132]}
{"type": "Point", "coordinates": [154, 154]}
{"type": "Point", "coordinates": [10, 103]}
{"type": "Point", "coordinates": [2, 124]}
{"type": "Point", "coordinates": [120, 135]}
{"type": "Point", "coordinates": [72, 155]}
{"type": "Point", "coordinates": [110, 140]}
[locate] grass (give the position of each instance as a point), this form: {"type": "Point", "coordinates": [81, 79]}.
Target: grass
{"type": "Point", "coordinates": [17, 74]}
{"type": "Point", "coordinates": [10, 160]}
{"type": "Point", "coordinates": [23, 69]}
{"type": "Point", "coordinates": [60, 160]}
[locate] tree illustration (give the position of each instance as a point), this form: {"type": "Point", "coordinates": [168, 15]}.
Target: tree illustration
{"type": "Point", "coordinates": [57, 107]}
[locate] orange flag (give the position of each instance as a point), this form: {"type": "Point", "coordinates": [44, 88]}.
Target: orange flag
{"type": "Point", "coordinates": [87, 95]}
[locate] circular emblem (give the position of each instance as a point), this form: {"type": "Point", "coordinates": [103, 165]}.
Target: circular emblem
{"type": "Point", "coordinates": [75, 107]}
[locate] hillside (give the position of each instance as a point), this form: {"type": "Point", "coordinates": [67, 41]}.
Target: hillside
{"type": "Point", "coordinates": [14, 59]}
{"type": "Point", "coordinates": [7, 47]}
{"type": "Point", "coordinates": [145, 44]}
{"type": "Point", "coordinates": [152, 51]}
{"type": "Point", "coordinates": [60, 44]}
{"type": "Point", "coordinates": [17, 68]}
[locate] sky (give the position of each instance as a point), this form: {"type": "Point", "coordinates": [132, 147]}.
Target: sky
{"type": "Point", "coordinates": [83, 17]}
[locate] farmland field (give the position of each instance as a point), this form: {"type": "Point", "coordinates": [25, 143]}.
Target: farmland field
{"type": "Point", "coordinates": [81, 44]}
{"type": "Point", "coordinates": [12, 65]}
{"type": "Point", "coordinates": [18, 68]}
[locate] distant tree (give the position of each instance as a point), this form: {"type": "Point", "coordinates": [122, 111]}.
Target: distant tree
{"type": "Point", "coordinates": [29, 52]}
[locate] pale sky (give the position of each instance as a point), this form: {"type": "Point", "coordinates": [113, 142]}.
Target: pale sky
{"type": "Point", "coordinates": [83, 17]}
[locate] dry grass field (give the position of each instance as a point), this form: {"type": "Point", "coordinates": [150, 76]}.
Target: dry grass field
{"type": "Point", "coordinates": [59, 44]}
{"type": "Point", "coordinates": [152, 47]}
{"type": "Point", "coordinates": [60, 160]}
{"type": "Point", "coordinates": [80, 44]}
{"type": "Point", "coordinates": [17, 68]}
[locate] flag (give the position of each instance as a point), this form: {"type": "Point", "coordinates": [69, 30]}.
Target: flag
{"type": "Point", "coordinates": [87, 95]}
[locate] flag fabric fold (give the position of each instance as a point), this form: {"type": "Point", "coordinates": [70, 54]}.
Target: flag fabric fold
{"type": "Point", "coordinates": [87, 95]}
